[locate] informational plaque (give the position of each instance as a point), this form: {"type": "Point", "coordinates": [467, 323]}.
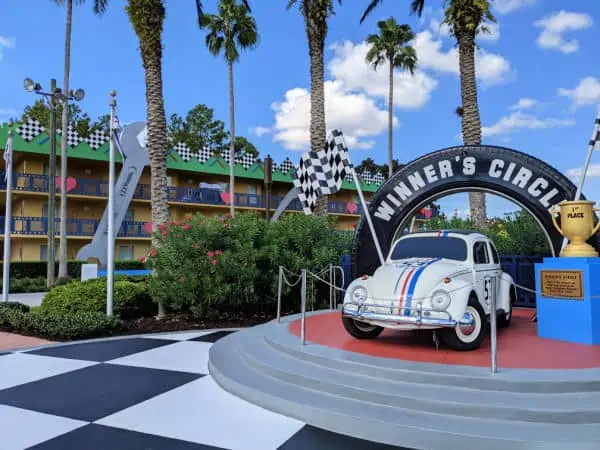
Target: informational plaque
{"type": "Point", "coordinates": [566, 284]}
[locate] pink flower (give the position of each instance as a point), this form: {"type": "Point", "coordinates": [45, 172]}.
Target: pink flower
{"type": "Point", "coordinates": [187, 226]}
{"type": "Point", "coordinates": [143, 259]}
{"type": "Point", "coordinates": [221, 220]}
{"type": "Point", "coordinates": [195, 245]}
{"type": "Point", "coordinates": [162, 226]}
{"type": "Point", "coordinates": [218, 252]}
{"type": "Point", "coordinates": [164, 232]}
{"type": "Point", "coordinates": [210, 254]}
{"type": "Point", "coordinates": [181, 278]}
{"type": "Point", "coordinates": [214, 262]}
{"type": "Point", "coordinates": [171, 222]}
{"type": "Point", "coordinates": [178, 223]}
{"type": "Point", "coordinates": [153, 252]}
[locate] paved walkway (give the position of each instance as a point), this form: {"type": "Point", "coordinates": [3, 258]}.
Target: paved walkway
{"type": "Point", "coordinates": [12, 341]}
{"type": "Point", "coordinates": [137, 393]}
{"type": "Point", "coordinates": [29, 298]}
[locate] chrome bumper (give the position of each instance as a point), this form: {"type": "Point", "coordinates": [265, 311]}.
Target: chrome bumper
{"type": "Point", "coordinates": [417, 317]}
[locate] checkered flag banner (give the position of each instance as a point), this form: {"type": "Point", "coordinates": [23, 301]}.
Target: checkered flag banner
{"type": "Point", "coordinates": [595, 141]}
{"type": "Point", "coordinates": [116, 132]}
{"type": "Point", "coordinates": [322, 173]}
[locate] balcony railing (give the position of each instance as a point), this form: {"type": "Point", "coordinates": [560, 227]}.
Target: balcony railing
{"type": "Point", "coordinates": [203, 196]}
{"type": "Point", "coordinates": [38, 226]}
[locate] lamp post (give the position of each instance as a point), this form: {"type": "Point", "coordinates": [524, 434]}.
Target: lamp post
{"type": "Point", "coordinates": [53, 99]}
{"type": "Point", "coordinates": [268, 171]}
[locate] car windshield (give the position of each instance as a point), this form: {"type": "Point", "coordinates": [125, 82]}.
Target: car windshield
{"type": "Point", "coordinates": [430, 247]}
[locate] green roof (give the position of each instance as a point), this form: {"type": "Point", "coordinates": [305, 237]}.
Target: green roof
{"type": "Point", "coordinates": [39, 143]}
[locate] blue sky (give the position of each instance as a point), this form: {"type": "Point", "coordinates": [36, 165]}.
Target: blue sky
{"type": "Point", "coordinates": [539, 76]}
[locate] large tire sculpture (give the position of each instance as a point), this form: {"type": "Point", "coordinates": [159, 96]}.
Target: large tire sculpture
{"type": "Point", "coordinates": [526, 180]}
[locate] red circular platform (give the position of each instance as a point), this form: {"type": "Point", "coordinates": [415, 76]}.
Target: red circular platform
{"type": "Point", "coordinates": [518, 346]}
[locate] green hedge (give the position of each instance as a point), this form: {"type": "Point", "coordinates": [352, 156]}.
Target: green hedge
{"type": "Point", "coordinates": [57, 325]}
{"type": "Point", "coordinates": [23, 285]}
{"type": "Point", "coordinates": [130, 298]}
{"type": "Point", "coordinates": [35, 269]}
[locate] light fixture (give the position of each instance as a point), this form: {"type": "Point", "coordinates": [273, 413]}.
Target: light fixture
{"type": "Point", "coordinates": [31, 85]}
{"type": "Point", "coordinates": [78, 95]}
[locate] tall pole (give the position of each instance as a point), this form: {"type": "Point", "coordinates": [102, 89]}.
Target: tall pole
{"type": "Point", "coordinates": [52, 185]}
{"type": "Point", "coordinates": [7, 214]}
{"type": "Point", "coordinates": [268, 171]}
{"type": "Point", "coordinates": [111, 209]}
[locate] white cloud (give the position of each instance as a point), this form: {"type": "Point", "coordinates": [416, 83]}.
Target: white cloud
{"type": "Point", "coordinates": [6, 42]}
{"type": "Point", "coordinates": [518, 120]}
{"type": "Point", "coordinates": [7, 113]}
{"type": "Point", "coordinates": [490, 68]}
{"type": "Point", "coordinates": [508, 6]}
{"type": "Point", "coordinates": [349, 66]}
{"type": "Point", "coordinates": [555, 25]}
{"type": "Point", "coordinates": [524, 103]}
{"type": "Point", "coordinates": [492, 34]}
{"type": "Point", "coordinates": [587, 92]}
{"type": "Point", "coordinates": [260, 131]}
{"type": "Point", "coordinates": [355, 114]}
{"type": "Point", "coordinates": [593, 171]}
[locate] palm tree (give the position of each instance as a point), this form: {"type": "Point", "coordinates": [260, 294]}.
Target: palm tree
{"type": "Point", "coordinates": [99, 8]}
{"type": "Point", "coordinates": [390, 46]}
{"type": "Point", "coordinates": [316, 14]}
{"type": "Point", "coordinates": [232, 29]}
{"type": "Point", "coordinates": [465, 19]}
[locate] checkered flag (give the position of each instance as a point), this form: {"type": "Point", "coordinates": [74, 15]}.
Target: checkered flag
{"type": "Point", "coordinates": [322, 173]}
{"type": "Point", "coordinates": [595, 141]}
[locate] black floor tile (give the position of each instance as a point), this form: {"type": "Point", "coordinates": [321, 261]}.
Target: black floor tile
{"type": "Point", "coordinates": [104, 350]}
{"type": "Point", "coordinates": [94, 392]}
{"type": "Point", "coordinates": [99, 437]}
{"type": "Point", "coordinates": [313, 438]}
{"type": "Point", "coordinates": [4, 353]}
{"type": "Point", "coordinates": [213, 337]}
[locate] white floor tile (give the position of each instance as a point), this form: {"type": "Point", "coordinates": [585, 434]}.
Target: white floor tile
{"type": "Point", "coordinates": [179, 335]}
{"type": "Point", "coordinates": [22, 428]}
{"type": "Point", "coordinates": [181, 356]}
{"type": "Point", "coordinates": [202, 412]}
{"type": "Point", "coordinates": [20, 368]}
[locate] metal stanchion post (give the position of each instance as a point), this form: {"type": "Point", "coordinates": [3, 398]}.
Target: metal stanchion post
{"type": "Point", "coordinates": [303, 308]}
{"type": "Point", "coordinates": [279, 285]}
{"type": "Point", "coordinates": [330, 287]}
{"type": "Point", "coordinates": [493, 321]}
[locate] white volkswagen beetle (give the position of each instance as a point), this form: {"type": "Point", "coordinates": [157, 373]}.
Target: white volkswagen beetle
{"type": "Point", "coordinates": [433, 280]}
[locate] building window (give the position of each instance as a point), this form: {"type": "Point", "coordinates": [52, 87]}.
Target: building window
{"type": "Point", "coordinates": [129, 216]}
{"type": "Point", "coordinates": [252, 189]}
{"type": "Point", "coordinates": [125, 252]}
{"type": "Point", "coordinates": [43, 252]}
{"type": "Point", "coordinates": [45, 210]}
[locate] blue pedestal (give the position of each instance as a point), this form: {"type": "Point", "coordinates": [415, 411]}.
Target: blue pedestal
{"type": "Point", "coordinates": [568, 319]}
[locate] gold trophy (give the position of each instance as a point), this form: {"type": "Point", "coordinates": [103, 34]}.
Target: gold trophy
{"type": "Point", "coordinates": [577, 221]}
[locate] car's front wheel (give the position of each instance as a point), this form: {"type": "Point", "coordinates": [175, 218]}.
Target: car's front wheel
{"type": "Point", "coordinates": [361, 330]}
{"type": "Point", "coordinates": [467, 337]}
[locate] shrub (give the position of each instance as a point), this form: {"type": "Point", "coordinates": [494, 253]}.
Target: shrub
{"type": "Point", "coordinates": [59, 326]}
{"type": "Point", "coordinates": [36, 269]}
{"type": "Point", "coordinates": [14, 306]}
{"type": "Point", "coordinates": [22, 285]}
{"type": "Point", "coordinates": [209, 266]}
{"type": "Point", "coordinates": [131, 300]}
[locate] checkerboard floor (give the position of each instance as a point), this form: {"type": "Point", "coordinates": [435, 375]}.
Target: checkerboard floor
{"type": "Point", "coordinates": [139, 393]}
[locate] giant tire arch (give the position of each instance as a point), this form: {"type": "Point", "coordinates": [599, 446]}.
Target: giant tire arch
{"type": "Point", "coordinates": [528, 181]}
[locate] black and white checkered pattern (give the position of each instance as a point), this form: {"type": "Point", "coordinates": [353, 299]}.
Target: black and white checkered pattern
{"type": "Point", "coordinates": [246, 161]}
{"type": "Point", "coordinates": [97, 139]}
{"type": "Point", "coordinates": [73, 138]}
{"type": "Point", "coordinates": [30, 130]}
{"type": "Point", "coordinates": [595, 141]}
{"type": "Point", "coordinates": [286, 165]}
{"type": "Point", "coordinates": [378, 178]}
{"type": "Point", "coordinates": [204, 155]}
{"type": "Point", "coordinates": [322, 173]}
{"type": "Point", "coordinates": [141, 392]}
{"type": "Point", "coordinates": [183, 151]}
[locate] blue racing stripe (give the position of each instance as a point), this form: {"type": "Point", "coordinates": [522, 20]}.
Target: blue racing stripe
{"type": "Point", "coordinates": [413, 284]}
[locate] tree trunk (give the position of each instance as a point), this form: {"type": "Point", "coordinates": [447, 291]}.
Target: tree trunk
{"type": "Point", "coordinates": [62, 246]}
{"type": "Point", "coordinates": [232, 143]}
{"type": "Point", "coordinates": [151, 50]}
{"type": "Point", "coordinates": [390, 117]}
{"type": "Point", "coordinates": [471, 123]}
{"type": "Point", "coordinates": [318, 130]}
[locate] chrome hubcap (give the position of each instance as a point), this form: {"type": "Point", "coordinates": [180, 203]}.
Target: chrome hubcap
{"type": "Point", "coordinates": [467, 324]}
{"type": "Point", "coordinates": [363, 326]}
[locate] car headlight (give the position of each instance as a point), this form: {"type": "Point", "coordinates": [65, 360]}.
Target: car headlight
{"type": "Point", "coordinates": [440, 300]}
{"type": "Point", "coordinates": [359, 294]}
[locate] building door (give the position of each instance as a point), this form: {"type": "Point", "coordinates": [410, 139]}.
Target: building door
{"type": "Point", "coordinates": [125, 252]}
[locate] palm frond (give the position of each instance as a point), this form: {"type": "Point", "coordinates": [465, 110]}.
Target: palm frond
{"type": "Point", "coordinates": [374, 4]}
{"type": "Point", "coordinates": [100, 6]}
{"type": "Point", "coordinates": [417, 7]}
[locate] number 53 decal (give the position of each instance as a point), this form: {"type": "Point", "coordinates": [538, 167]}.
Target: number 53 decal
{"type": "Point", "coordinates": [487, 289]}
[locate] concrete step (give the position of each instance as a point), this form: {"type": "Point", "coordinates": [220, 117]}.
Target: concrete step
{"type": "Point", "coordinates": [384, 423]}
{"type": "Point", "coordinates": [566, 408]}
{"type": "Point", "coordinates": [512, 380]}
